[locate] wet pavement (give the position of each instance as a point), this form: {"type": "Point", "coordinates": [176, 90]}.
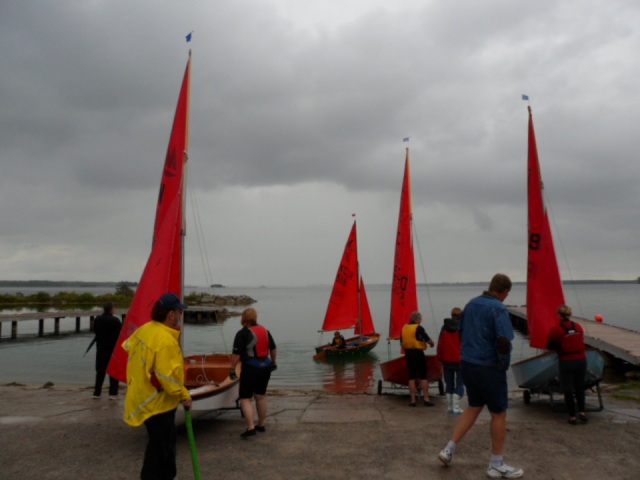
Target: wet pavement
{"type": "Point", "coordinates": [61, 432]}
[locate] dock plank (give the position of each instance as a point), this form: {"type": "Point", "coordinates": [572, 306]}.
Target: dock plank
{"type": "Point", "coordinates": [620, 342]}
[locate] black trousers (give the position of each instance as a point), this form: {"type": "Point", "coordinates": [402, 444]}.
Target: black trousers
{"type": "Point", "coordinates": [160, 455]}
{"type": "Point", "coordinates": [113, 383]}
{"type": "Point", "coordinates": [572, 374]}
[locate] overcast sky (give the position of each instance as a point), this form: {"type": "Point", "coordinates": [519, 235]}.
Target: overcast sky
{"type": "Point", "coordinates": [298, 113]}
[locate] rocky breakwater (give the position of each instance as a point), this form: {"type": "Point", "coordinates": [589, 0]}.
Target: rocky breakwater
{"type": "Point", "coordinates": [205, 308]}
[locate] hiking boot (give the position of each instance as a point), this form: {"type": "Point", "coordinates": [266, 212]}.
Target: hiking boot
{"type": "Point", "coordinates": [504, 471]}
{"type": "Point", "coordinates": [445, 456]}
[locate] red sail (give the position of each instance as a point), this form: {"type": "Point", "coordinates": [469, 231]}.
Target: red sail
{"type": "Point", "coordinates": [365, 327]}
{"type": "Point", "coordinates": [544, 287]}
{"type": "Point", "coordinates": [404, 296]}
{"type": "Point", "coordinates": [163, 272]}
{"type": "Point", "coordinates": [343, 308]}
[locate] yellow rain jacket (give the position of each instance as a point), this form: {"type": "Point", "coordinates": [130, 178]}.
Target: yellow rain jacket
{"type": "Point", "coordinates": [153, 349]}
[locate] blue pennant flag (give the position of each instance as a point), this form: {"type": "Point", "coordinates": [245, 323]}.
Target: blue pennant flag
{"type": "Point", "coordinates": [405, 139]}
{"type": "Point", "coordinates": [525, 97]}
{"type": "Point", "coordinates": [189, 37]}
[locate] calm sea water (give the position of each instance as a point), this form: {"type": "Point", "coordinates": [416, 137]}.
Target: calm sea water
{"type": "Point", "coordinates": [294, 316]}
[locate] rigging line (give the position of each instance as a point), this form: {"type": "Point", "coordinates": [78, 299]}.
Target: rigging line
{"type": "Point", "coordinates": [204, 257]}
{"type": "Point", "coordinates": [424, 274]}
{"type": "Point", "coordinates": [564, 255]}
{"type": "Point", "coordinates": [198, 230]}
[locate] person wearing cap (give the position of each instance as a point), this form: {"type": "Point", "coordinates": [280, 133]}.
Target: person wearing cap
{"type": "Point", "coordinates": [155, 378]}
{"type": "Point", "coordinates": [107, 329]}
{"type": "Point", "coordinates": [567, 339]}
{"type": "Point", "coordinates": [254, 346]}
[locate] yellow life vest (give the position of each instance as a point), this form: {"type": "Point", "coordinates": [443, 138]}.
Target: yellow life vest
{"type": "Point", "coordinates": [154, 352]}
{"type": "Point", "coordinates": [409, 340]}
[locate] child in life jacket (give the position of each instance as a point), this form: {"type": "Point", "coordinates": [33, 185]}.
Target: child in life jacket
{"type": "Point", "coordinates": [449, 355]}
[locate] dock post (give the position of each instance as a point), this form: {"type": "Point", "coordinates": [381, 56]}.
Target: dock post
{"type": "Point", "coordinates": [77, 324]}
{"type": "Point", "coordinates": [14, 329]}
{"type": "Point", "coordinates": [56, 326]}
{"type": "Point", "coordinates": [41, 327]}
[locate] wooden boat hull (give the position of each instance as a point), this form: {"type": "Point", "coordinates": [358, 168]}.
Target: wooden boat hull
{"type": "Point", "coordinates": [540, 373]}
{"type": "Point", "coordinates": [355, 346]}
{"type": "Point", "coordinates": [207, 379]}
{"type": "Point", "coordinates": [395, 371]}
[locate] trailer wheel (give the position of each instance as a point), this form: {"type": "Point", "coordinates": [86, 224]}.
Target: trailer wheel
{"type": "Point", "coordinates": [527, 397]}
{"type": "Point", "coordinates": [379, 387]}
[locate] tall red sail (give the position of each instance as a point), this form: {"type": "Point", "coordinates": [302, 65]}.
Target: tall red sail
{"type": "Point", "coordinates": [404, 295]}
{"type": "Point", "coordinates": [343, 308]}
{"type": "Point", "coordinates": [544, 287]}
{"type": "Point", "coordinates": [163, 271]}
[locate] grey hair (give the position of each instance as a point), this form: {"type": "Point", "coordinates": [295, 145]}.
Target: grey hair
{"type": "Point", "coordinates": [415, 316]}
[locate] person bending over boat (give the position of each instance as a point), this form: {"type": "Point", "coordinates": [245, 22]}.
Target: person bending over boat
{"type": "Point", "coordinates": [155, 377]}
{"type": "Point", "coordinates": [414, 340]}
{"type": "Point", "coordinates": [107, 329]}
{"type": "Point", "coordinates": [338, 341]}
{"type": "Point", "coordinates": [255, 348]}
{"type": "Point", "coordinates": [449, 355]}
{"type": "Point", "coordinates": [567, 339]}
{"type": "Point", "coordinates": [487, 334]}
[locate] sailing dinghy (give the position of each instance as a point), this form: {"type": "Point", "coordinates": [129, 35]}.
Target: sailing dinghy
{"type": "Point", "coordinates": [539, 374]}
{"type": "Point", "coordinates": [348, 307]}
{"type": "Point", "coordinates": [404, 292]}
{"type": "Point", "coordinates": [206, 375]}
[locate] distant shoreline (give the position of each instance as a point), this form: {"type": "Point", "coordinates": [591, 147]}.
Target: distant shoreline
{"type": "Point", "coordinates": [70, 283]}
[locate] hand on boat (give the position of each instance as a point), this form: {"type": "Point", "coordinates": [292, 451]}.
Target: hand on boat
{"type": "Point", "coordinates": [232, 374]}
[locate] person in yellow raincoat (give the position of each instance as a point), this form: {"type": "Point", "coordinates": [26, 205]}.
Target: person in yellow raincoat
{"type": "Point", "coordinates": [155, 385]}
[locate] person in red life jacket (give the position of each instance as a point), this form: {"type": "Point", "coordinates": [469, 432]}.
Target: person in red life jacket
{"type": "Point", "coordinates": [338, 341]}
{"type": "Point", "coordinates": [414, 340]}
{"type": "Point", "coordinates": [255, 348]}
{"type": "Point", "coordinates": [449, 344]}
{"type": "Point", "coordinates": [567, 339]}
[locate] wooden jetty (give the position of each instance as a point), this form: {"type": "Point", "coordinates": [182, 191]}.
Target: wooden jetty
{"type": "Point", "coordinates": [618, 342]}
{"type": "Point", "coordinates": [195, 314]}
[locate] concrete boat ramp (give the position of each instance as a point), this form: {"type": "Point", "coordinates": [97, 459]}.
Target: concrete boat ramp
{"type": "Point", "coordinates": [61, 432]}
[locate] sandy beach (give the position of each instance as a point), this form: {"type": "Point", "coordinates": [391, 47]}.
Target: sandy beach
{"type": "Point", "coordinates": [62, 433]}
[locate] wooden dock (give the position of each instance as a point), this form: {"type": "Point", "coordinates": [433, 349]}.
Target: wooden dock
{"type": "Point", "coordinates": [195, 314]}
{"type": "Point", "coordinates": [619, 342]}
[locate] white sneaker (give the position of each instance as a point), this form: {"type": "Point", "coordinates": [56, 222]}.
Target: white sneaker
{"type": "Point", "coordinates": [445, 456]}
{"type": "Point", "coordinates": [504, 471]}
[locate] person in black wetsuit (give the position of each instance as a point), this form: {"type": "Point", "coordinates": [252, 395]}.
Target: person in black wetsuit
{"type": "Point", "coordinates": [107, 329]}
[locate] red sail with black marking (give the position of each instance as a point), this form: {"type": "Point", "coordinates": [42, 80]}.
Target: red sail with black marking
{"type": "Point", "coordinates": [544, 286]}
{"type": "Point", "coordinates": [404, 295]}
{"type": "Point", "coordinates": [163, 271]}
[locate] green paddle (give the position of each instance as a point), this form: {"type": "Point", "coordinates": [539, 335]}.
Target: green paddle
{"type": "Point", "coordinates": [192, 445]}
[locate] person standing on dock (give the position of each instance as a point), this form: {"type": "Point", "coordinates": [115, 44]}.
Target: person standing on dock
{"type": "Point", "coordinates": [255, 348]}
{"type": "Point", "coordinates": [567, 339]}
{"type": "Point", "coordinates": [155, 377]}
{"type": "Point", "coordinates": [107, 329]}
{"type": "Point", "coordinates": [486, 333]}
{"type": "Point", "coordinates": [414, 340]}
{"type": "Point", "coordinates": [449, 344]}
